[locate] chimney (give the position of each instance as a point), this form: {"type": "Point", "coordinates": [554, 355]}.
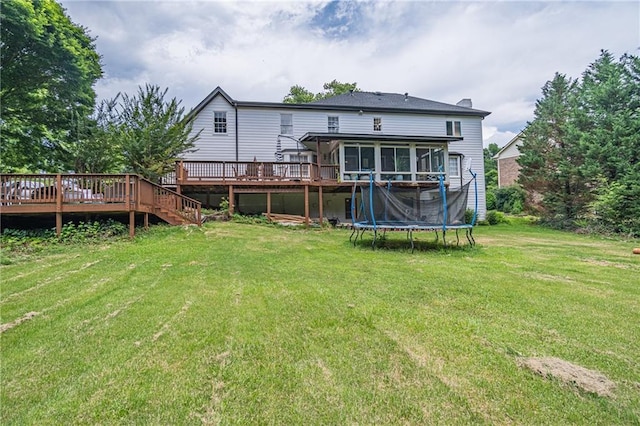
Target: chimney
{"type": "Point", "coordinates": [406, 96]}
{"type": "Point", "coordinates": [466, 102]}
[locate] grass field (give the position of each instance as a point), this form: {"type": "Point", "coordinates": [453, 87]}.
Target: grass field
{"type": "Point", "coordinates": [246, 324]}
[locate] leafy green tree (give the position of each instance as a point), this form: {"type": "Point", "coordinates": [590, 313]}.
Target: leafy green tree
{"type": "Point", "coordinates": [335, 88]}
{"type": "Point", "coordinates": [490, 166]}
{"type": "Point", "coordinates": [152, 132]}
{"type": "Point", "coordinates": [550, 157]}
{"type": "Point", "coordinates": [48, 66]}
{"type": "Point", "coordinates": [299, 95]}
{"type": "Point", "coordinates": [97, 149]}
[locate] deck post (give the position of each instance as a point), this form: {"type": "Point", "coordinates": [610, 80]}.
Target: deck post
{"type": "Point", "coordinates": [179, 175]}
{"type": "Point", "coordinates": [132, 224]}
{"type": "Point", "coordinates": [146, 220]}
{"type": "Point", "coordinates": [320, 207]}
{"type": "Point", "coordinates": [132, 213]}
{"type": "Point", "coordinates": [268, 204]}
{"type": "Point", "coordinates": [319, 161]}
{"type": "Point", "coordinates": [59, 196]}
{"type": "Point", "coordinates": [231, 200]}
{"type": "Point", "coordinates": [306, 205]}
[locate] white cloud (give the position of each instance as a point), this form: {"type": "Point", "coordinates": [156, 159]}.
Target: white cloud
{"type": "Point", "coordinates": [498, 53]}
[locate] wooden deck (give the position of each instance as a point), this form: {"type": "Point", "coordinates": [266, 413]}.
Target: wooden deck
{"type": "Point", "coordinates": [251, 173]}
{"type": "Point", "coordinates": [40, 194]}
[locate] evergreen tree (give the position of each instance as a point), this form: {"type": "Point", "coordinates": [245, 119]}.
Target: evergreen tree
{"type": "Point", "coordinates": [608, 121]}
{"type": "Point", "coordinates": [550, 155]}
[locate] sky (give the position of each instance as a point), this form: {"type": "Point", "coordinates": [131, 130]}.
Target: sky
{"type": "Point", "coordinates": [498, 53]}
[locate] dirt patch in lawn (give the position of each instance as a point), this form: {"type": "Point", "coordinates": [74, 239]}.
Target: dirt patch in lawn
{"type": "Point", "coordinates": [571, 374]}
{"type": "Point", "coordinates": [25, 317]}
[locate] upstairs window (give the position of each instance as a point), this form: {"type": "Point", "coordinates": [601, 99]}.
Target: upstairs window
{"type": "Point", "coordinates": [286, 124]}
{"type": "Point", "coordinates": [219, 122]}
{"type": "Point", "coordinates": [333, 124]}
{"type": "Point", "coordinates": [454, 128]}
{"type": "Point", "coordinates": [377, 124]}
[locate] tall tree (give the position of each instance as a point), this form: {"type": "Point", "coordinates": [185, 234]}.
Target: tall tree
{"type": "Point", "coordinates": [152, 132]}
{"type": "Point", "coordinates": [490, 165]}
{"type": "Point", "coordinates": [300, 95]}
{"type": "Point", "coordinates": [550, 156]}
{"type": "Point", "coordinates": [608, 119]}
{"type": "Point", "coordinates": [48, 66]}
{"type": "Point", "coordinates": [97, 148]}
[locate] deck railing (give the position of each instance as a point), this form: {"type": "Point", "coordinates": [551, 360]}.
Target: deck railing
{"type": "Point", "coordinates": [239, 171]}
{"type": "Point", "coordinates": [41, 193]}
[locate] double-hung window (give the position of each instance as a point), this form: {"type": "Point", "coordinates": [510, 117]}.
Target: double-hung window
{"type": "Point", "coordinates": [286, 124]}
{"type": "Point", "coordinates": [377, 124]}
{"type": "Point", "coordinates": [454, 128]}
{"type": "Point", "coordinates": [219, 122]}
{"type": "Point", "coordinates": [333, 124]}
{"type": "Point", "coordinates": [454, 166]}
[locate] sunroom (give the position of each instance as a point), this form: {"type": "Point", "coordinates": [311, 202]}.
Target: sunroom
{"type": "Point", "coordinates": [398, 158]}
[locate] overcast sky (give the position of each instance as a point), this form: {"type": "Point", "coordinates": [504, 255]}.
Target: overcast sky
{"type": "Point", "coordinates": [499, 54]}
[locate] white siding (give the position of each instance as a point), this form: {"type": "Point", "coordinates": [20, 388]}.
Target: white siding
{"type": "Point", "coordinates": [471, 148]}
{"type": "Point", "coordinates": [512, 150]}
{"type": "Point", "coordinates": [214, 146]}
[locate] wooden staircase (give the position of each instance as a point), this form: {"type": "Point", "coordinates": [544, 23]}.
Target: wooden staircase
{"type": "Point", "coordinates": [173, 208]}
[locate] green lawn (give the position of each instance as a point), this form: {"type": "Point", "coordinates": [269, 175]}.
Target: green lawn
{"type": "Point", "coordinates": [247, 324]}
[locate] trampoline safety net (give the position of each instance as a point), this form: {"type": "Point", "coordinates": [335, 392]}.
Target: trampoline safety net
{"type": "Point", "coordinates": [385, 207]}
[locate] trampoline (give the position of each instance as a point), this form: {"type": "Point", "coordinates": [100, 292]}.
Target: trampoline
{"type": "Point", "coordinates": [383, 208]}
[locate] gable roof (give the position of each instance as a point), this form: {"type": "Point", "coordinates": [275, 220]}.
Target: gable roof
{"type": "Point", "coordinates": [216, 92]}
{"type": "Point", "coordinates": [355, 101]}
{"type": "Point", "coordinates": [517, 138]}
{"type": "Point", "coordinates": [396, 102]}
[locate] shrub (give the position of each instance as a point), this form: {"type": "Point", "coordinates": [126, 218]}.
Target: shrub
{"type": "Point", "coordinates": [491, 200]}
{"type": "Point", "coordinates": [495, 217]}
{"type": "Point", "coordinates": [509, 199]}
{"type": "Point", "coordinates": [468, 215]}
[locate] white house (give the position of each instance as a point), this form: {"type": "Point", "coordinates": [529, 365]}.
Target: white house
{"type": "Point", "coordinates": [275, 157]}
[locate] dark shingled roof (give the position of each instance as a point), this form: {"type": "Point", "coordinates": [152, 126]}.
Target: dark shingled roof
{"type": "Point", "coordinates": [395, 101]}
{"type": "Point", "coordinates": [356, 101]}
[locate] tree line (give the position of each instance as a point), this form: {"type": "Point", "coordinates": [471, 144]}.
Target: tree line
{"type": "Point", "coordinates": [49, 121]}
{"type": "Point", "coordinates": [580, 156]}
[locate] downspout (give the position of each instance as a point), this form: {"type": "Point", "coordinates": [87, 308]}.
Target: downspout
{"type": "Point", "coordinates": [235, 106]}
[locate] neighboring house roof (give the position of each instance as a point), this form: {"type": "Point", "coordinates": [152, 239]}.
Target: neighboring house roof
{"type": "Point", "coordinates": [505, 148]}
{"type": "Point", "coordinates": [355, 101]}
